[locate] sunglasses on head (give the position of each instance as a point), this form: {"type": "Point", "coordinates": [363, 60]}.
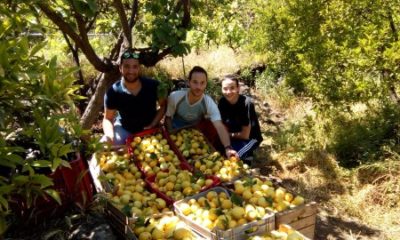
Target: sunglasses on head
{"type": "Point", "coordinates": [129, 55]}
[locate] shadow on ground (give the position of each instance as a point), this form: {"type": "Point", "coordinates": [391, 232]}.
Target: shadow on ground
{"type": "Point", "coordinates": [331, 227]}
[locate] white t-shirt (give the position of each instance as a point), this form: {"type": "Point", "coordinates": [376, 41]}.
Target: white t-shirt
{"type": "Point", "coordinates": [191, 113]}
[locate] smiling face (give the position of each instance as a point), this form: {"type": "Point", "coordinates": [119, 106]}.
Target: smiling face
{"type": "Point", "coordinates": [129, 69]}
{"type": "Point", "coordinates": [230, 90]}
{"type": "Point", "coordinates": [197, 84]}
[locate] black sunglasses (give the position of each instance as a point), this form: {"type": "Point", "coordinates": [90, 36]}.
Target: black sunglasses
{"type": "Point", "coordinates": [129, 55]}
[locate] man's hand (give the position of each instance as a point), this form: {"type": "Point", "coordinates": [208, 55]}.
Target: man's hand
{"type": "Point", "coordinates": [109, 140]}
{"type": "Point", "coordinates": [148, 127]}
{"type": "Point", "coordinates": [229, 152]}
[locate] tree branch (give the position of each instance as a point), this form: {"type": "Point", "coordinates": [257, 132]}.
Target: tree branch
{"type": "Point", "coordinates": [124, 22]}
{"type": "Point", "coordinates": [117, 47]}
{"type": "Point", "coordinates": [186, 13]}
{"type": "Point", "coordinates": [135, 9]}
{"type": "Point", "coordinates": [393, 26]}
{"type": "Point", "coordinates": [84, 46]}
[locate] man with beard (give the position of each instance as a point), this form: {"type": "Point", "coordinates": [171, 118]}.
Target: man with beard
{"type": "Point", "coordinates": [132, 102]}
{"type": "Point", "coordinates": [189, 107]}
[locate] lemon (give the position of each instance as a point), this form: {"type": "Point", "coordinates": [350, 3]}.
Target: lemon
{"type": "Point", "coordinates": [185, 208]}
{"type": "Point", "coordinates": [124, 199]}
{"type": "Point", "coordinates": [298, 200]}
{"type": "Point", "coordinates": [247, 194]}
{"type": "Point", "coordinates": [209, 182]}
{"type": "Point", "coordinates": [237, 212]}
{"type": "Point", "coordinates": [138, 230]}
{"type": "Point", "coordinates": [145, 236]}
{"type": "Point", "coordinates": [211, 195]}
{"type": "Point", "coordinates": [226, 204]}
{"type": "Point", "coordinates": [181, 233]}
{"type": "Point", "coordinates": [157, 234]}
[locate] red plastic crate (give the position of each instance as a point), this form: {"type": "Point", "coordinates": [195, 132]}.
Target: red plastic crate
{"type": "Point", "coordinates": [151, 179]}
{"type": "Point", "coordinates": [78, 181]}
{"type": "Point", "coordinates": [150, 183]}
{"type": "Point", "coordinates": [154, 131]}
{"type": "Point", "coordinates": [143, 133]}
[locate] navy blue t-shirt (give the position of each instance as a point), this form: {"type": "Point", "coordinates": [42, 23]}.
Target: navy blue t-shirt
{"type": "Point", "coordinates": [134, 112]}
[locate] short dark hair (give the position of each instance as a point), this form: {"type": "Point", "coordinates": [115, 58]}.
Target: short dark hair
{"type": "Point", "coordinates": [233, 77]}
{"type": "Point", "coordinates": [130, 54]}
{"type": "Point", "coordinates": [197, 69]}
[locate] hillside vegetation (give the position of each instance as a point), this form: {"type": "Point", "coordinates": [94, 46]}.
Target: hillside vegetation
{"type": "Point", "coordinates": [347, 162]}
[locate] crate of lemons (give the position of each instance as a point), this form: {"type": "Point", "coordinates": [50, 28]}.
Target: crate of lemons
{"type": "Point", "coordinates": [191, 143]}
{"type": "Point", "coordinates": [179, 183]}
{"type": "Point", "coordinates": [215, 164]}
{"type": "Point", "coordinates": [129, 193]}
{"type": "Point", "coordinates": [153, 153]}
{"type": "Point", "coordinates": [164, 226]}
{"type": "Point", "coordinates": [263, 193]}
{"type": "Point", "coordinates": [215, 214]}
{"type": "Point", "coordinates": [284, 232]}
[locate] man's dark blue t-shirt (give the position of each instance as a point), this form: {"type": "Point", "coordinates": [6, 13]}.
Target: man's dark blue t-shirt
{"type": "Point", "coordinates": [134, 112]}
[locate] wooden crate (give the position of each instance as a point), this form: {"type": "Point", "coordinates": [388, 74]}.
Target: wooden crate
{"type": "Point", "coordinates": [301, 218]}
{"type": "Point", "coordinates": [263, 225]}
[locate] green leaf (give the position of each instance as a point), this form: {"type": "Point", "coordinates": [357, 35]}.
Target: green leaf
{"type": "Point", "coordinates": [92, 5]}
{"type": "Point", "coordinates": [42, 180]}
{"type": "Point", "coordinates": [6, 189]}
{"type": "Point", "coordinates": [65, 164]}
{"type": "Point", "coordinates": [127, 210]}
{"type": "Point", "coordinates": [54, 194]}
{"type": "Point", "coordinates": [236, 199]}
{"type": "Point", "coordinates": [270, 200]}
{"type": "Point", "coordinates": [37, 48]}
{"type": "Point", "coordinates": [56, 163]}
{"type": "Point", "coordinates": [140, 221]}
{"type": "Point", "coordinates": [65, 149]}
{"type": "Point", "coordinates": [20, 180]}
{"type": "Point", "coordinates": [248, 182]}
{"type": "Point", "coordinates": [3, 203]}
{"type": "Point", "coordinates": [207, 204]}
{"type": "Point", "coordinates": [3, 225]}
{"type": "Point", "coordinates": [41, 163]}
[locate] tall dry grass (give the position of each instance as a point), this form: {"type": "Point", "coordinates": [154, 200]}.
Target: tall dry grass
{"type": "Point", "coordinates": [216, 61]}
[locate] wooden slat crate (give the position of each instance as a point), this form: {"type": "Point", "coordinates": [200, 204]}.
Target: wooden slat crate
{"type": "Point", "coordinates": [301, 218]}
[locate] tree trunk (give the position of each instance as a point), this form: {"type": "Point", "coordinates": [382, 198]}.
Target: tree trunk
{"type": "Point", "coordinates": [393, 94]}
{"type": "Point", "coordinates": [91, 113]}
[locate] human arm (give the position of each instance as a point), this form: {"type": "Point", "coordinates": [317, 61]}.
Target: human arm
{"type": "Point", "coordinates": [168, 123]}
{"type": "Point", "coordinates": [244, 134]}
{"type": "Point", "coordinates": [224, 138]}
{"type": "Point", "coordinates": [108, 127]}
{"type": "Point", "coordinates": [162, 103]}
{"type": "Point", "coordinates": [170, 112]}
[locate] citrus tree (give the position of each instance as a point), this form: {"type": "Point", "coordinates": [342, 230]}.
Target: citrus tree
{"type": "Point", "coordinates": [153, 28]}
{"type": "Point", "coordinates": [38, 123]}
{"type": "Point", "coordinates": [338, 52]}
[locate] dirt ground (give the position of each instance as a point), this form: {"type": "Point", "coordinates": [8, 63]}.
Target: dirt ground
{"type": "Point", "coordinates": [329, 224]}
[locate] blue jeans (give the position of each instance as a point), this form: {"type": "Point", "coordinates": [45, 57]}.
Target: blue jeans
{"type": "Point", "coordinates": [120, 135]}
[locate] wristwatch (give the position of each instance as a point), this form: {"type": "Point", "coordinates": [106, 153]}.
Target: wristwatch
{"type": "Point", "coordinates": [228, 147]}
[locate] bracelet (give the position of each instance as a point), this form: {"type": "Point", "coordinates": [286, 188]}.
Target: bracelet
{"type": "Point", "coordinates": [228, 147]}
